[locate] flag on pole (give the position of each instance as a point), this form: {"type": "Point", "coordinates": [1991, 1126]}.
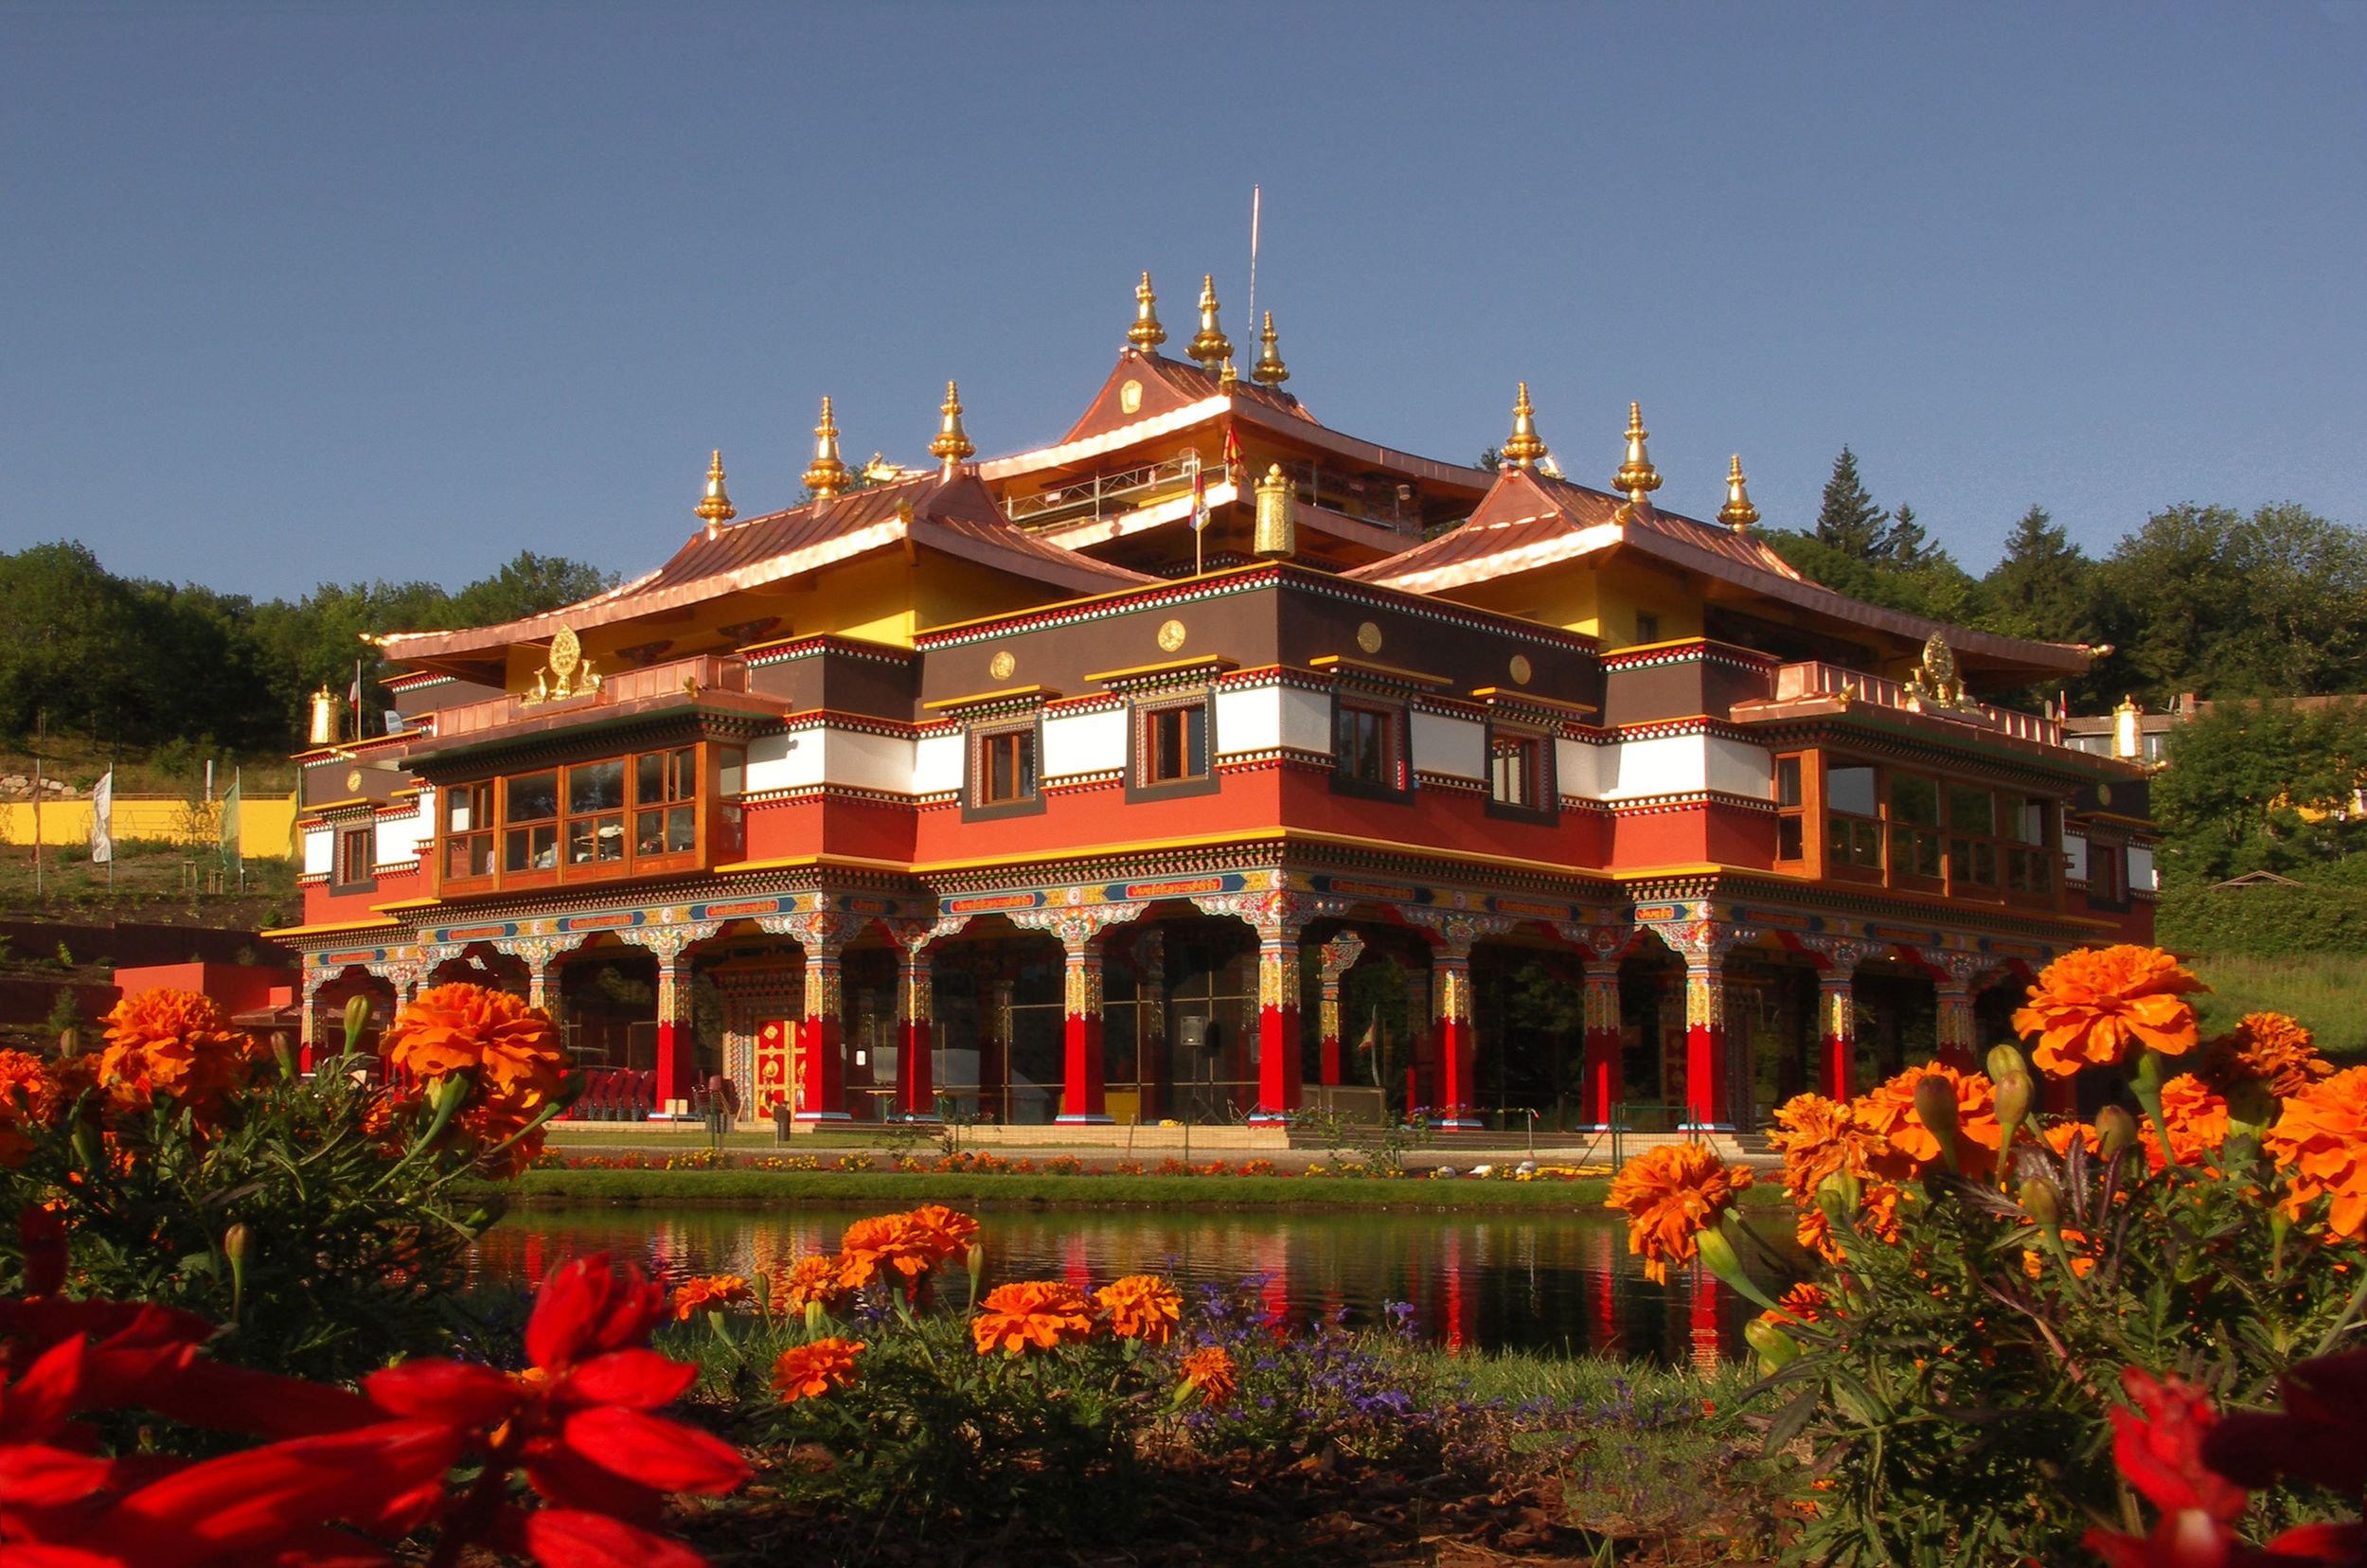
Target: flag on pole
{"type": "Point", "coordinates": [232, 865]}
{"type": "Point", "coordinates": [1232, 454]}
{"type": "Point", "coordinates": [103, 814]}
{"type": "Point", "coordinates": [355, 698]}
{"type": "Point", "coordinates": [1200, 496]}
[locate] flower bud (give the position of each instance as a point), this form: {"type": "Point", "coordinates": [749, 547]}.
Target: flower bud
{"type": "Point", "coordinates": [356, 1020]}
{"type": "Point", "coordinates": [2043, 1204]}
{"type": "Point", "coordinates": [2117, 1132]}
{"type": "Point", "coordinates": [2014, 1093]}
{"type": "Point", "coordinates": [1839, 1195]}
{"type": "Point", "coordinates": [238, 1242]}
{"type": "Point", "coordinates": [1776, 1347]}
{"type": "Point", "coordinates": [70, 1043]}
{"type": "Point", "coordinates": [1935, 1103]}
{"type": "Point", "coordinates": [2006, 1061]}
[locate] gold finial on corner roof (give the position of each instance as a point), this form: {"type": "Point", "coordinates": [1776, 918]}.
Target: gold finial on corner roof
{"type": "Point", "coordinates": [1209, 346]}
{"type": "Point", "coordinates": [1737, 513]}
{"type": "Point", "coordinates": [1269, 370]}
{"type": "Point", "coordinates": [953, 443]}
{"type": "Point", "coordinates": [826, 475]}
{"type": "Point", "coordinates": [716, 505]}
{"type": "Point", "coordinates": [1636, 476]}
{"type": "Point", "coordinates": [1146, 334]}
{"type": "Point", "coordinates": [1227, 378]}
{"type": "Point", "coordinates": [1524, 447]}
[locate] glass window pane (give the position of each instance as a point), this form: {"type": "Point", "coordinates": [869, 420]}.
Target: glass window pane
{"type": "Point", "coordinates": [1194, 742]}
{"type": "Point", "coordinates": [1915, 800]}
{"type": "Point", "coordinates": [649, 833]}
{"type": "Point", "coordinates": [1850, 789]}
{"type": "Point", "coordinates": [683, 770]}
{"type": "Point", "coordinates": [731, 771]}
{"type": "Point", "coordinates": [533, 797]}
{"type": "Point", "coordinates": [1971, 810]}
{"type": "Point", "coordinates": [1788, 838]}
{"type": "Point", "coordinates": [596, 786]}
{"type": "Point", "coordinates": [1787, 781]}
{"type": "Point", "coordinates": [682, 830]}
{"type": "Point", "coordinates": [649, 782]}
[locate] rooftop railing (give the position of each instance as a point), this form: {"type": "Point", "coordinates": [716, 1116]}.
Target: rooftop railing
{"type": "Point", "coordinates": [705, 672]}
{"type": "Point", "coordinates": [1814, 678]}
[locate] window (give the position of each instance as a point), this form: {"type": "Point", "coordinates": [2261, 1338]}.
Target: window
{"type": "Point", "coordinates": [2029, 852]}
{"type": "Point", "coordinates": [1853, 832]}
{"type": "Point", "coordinates": [1005, 769]}
{"type": "Point", "coordinates": [1516, 770]}
{"type": "Point", "coordinates": [468, 832]}
{"type": "Point", "coordinates": [2108, 874]}
{"type": "Point", "coordinates": [1790, 808]}
{"type": "Point", "coordinates": [532, 815]}
{"type": "Point", "coordinates": [1364, 746]}
{"type": "Point", "coordinates": [666, 795]}
{"type": "Point", "coordinates": [356, 849]}
{"type": "Point", "coordinates": [1647, 627]}
{"type": "Point", "coordinates": [596, 813]}
{"type": "Point", "coordinates": [1175, 743]}
{"type": "Point", "coordinates": [1972, 836]}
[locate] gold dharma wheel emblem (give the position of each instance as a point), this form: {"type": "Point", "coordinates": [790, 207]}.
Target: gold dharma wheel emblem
{"type": "Point", "coordinates": [1520, 669]}
{"type": "Point", "coordinates": [1001, 665]}
{"type": "Point", "coordinates": [1368, 638]}
{"type": "Point", "coordinates": [1170, 635]}
{"type": "Point", "coordinates": [1130, 396]}
{"type": "Point", "coordinates": [566, 652]}
{"type": "Point", "coordinates": [354, 779]}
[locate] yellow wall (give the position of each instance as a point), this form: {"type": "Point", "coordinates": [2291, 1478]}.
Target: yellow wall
{"type": "Point", "coordinates": [266, 823]}
{"type": "Point", "coordinates": [1600, 599]}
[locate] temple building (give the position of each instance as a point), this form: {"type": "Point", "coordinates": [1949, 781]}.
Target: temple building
{"type": "Point", "coordinates": [1209, 763]}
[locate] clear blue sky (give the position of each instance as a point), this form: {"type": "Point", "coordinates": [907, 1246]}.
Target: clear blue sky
{"type": "Point", "coordinates": [334, 292]}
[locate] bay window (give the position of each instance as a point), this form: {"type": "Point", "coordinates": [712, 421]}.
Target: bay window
{"type": "Point", "coordinates": [610, 816]}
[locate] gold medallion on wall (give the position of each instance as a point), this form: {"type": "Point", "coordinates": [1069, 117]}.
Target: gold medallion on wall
{"type": "Point", "coordinates": [1002, 665]}
{"type": "Point", "coordinates": [1368, 638]}
{"type": "Point", "coordinates": [1520, 669]}
{"type": "Point", "coordinates": [1171, 636]}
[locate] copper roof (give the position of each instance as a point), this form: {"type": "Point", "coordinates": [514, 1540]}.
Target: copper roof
{"type": "Point", "coordinates": [955, 517]}
{"type": "Point", "coordinates": [1529, 521]}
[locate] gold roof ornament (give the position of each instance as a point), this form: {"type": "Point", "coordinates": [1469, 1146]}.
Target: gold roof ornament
{"type": "Point", "coordinates": [1277, 515]}
{"type": "Point", "coordinates": [1524, 447]}
{"type": "Point", "coordinates": [1146, 334]}
{"type": "Point", "coordinates": [953, 443]}
{"type": "Point", "coordinates": [1269, 370]}
{"type": "Point", "coordinates": [1737, 513]}
{"type": "Point", "coordinates": [826, 475]}
{"type": "Point", "coordinates": [714, 507]}
{"type": "Point", "coordinates": [1227, 378]}
{"type": "Point", "coordinates": [1209, 346]}
{"type": "Point", "coordinates": [1636, 476]}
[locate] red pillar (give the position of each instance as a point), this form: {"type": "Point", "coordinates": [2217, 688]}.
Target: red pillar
{"type": "Point", "coordinates": [1278, 1070]}
{"type": "Point", "coordinates": [1954, 1024]}
{"type": "Point", "coordinates": [821, 1049]}
{"type": "Point", "coordinates": [1081, 1098]}
{"type": "Point", "coordinates": [915, 1032]}
{"type": "Point", "coordinates": [677, 1039]}
{"type": "Point", "coordinates": [1706, 1091]}
{"type": "Point", "coordinates": [1458, 1044]}
{"type": "Point", "coordinates": [1837, 1030]}
{"type": "Point", "coordinates": [1600, 1085]}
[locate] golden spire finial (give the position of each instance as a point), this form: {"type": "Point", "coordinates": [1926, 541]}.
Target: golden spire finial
{"type": "Point", "coordinates": [1146, 334]}
{"type": "Point", "coordinates": [1269, 370]}
{"type": "Point", "coordinates": [1737, 513]}
{"type": "Point", "coordinates": [1227, 379]}
{"type": "Point", "coordinates": [826, 475]}
{"type": "Point", "coordinates": [1636, 476]}
{"type": "Point", "coordinates": [715, 506]}
{"type": "Point", "coordinates": [953, 443]}
{"type": "Point", "coordinates": [1209, 344]}
{"type": "Point", "coordinates": [1524, 446]}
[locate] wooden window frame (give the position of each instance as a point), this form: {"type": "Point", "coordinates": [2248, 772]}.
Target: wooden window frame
{"type": "Point", "coordinates": [976, 805]}
{"type": "Point", "coordinates": [701, 797]}
{"type": "Point", "coordinates": [339, 866]}
{"type": "Point", "coordinates": [1544, 786]}
{"type": "Point", "coordinates": [1143, 718]}
{"type": "Point", "coordinates": [1846, 867]}
{"type": "Point", "coordinates": [1800, 812]}
{"type": "Point", "coordinates": [1397, 746]}
{"type": "Point", "coordinates": [2115, 895]}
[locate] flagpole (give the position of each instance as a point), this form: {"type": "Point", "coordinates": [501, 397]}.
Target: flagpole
{"type": "Point", "coordinates": [1256, 194]}
{"type": "Point", "coordinates": [40, 744]}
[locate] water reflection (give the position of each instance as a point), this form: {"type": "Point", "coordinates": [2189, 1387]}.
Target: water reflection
{"type": "Point", "coordinates": [1561, 1282]}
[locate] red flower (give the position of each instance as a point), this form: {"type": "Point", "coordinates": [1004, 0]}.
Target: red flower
{"type": "Point", "coordinates": [2320, 1436]}
{"type": "Point", "coordinates": [2157, 1447]}
{"type": "Point", "coordinates": [578, 1420]}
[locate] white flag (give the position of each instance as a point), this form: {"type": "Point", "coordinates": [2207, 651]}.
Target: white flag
{"type": "Point", "coordinates": [103, 814]}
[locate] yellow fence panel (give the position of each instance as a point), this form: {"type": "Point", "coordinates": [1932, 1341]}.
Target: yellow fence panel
{"type": "Point", "coordinates": [266, 823]}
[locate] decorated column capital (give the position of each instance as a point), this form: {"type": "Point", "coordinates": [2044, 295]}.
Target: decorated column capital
{"type": "Point", "coordinates": [1836, 957]}
{"type": "Point", "coordinates": [1077, 927]}
{"type": "Point", "coordinates": [1453, 933]}
{"type": "Point", "coordinates": [819, 932]}
{"type": "Point", "coordinates": [1340, 956]}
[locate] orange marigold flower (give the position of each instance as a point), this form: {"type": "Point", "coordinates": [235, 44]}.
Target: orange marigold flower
{"type": "Point", "coordinates": [1819, 1137]}
{"type": "Point", "coordinates": [890, 1243]}
{"type": "Point", "coordinates": [1032, 1314]}
{"type": "Point", "coordinates": [1669, 1194]}
{"type": "Point", "coordinates": [175, 1043]}
{"type": "Point", "coordinates": [511, 1050]}
{"type": "Point", "coordinates": [1876, 1219]}
{"type": "Point", "coordinates": [2099, 1006]}
{"type": "Point", "coordinates": [1910, 1148]}
{"type": "Point", "coordinates": [2266, 1049]}
{"type": "Point", "coordinates": [708, 1294]}
{"type": "Point", "coordinates": [2196, 1118]}
{"type": "Point", "coordinates": [2061, 1135]}
{"type": "Point", "coordinates": [810, 1371]}
{"type": "Point", "coordinates": [1140, 1307]}
{"type": "Point", "coordinates": [2321, 1139]}
{"type": "Point", "coordinates": [1805, 1303]}
{"type": "Point", "coordinates": [2078, 1244]}
{"type": "Point", "coordinates": [1210, 1373]}
{"type": "Point", "coordinates": [815, 1278]}
{"type": "Point", "coordinates": [945, 1232]}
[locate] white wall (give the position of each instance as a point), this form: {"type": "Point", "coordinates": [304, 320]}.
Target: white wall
{"type": "Point", "coordinates": [400, 837]}
{"type": "Point", "coordinates": [1578, 769]}
{"type": "Point", "coordinates": [1449, 745]}
{"type": "Point", "coordinates": [1084, 743]}
{"type": "Point", "coordinates": [2075, 852]}
{"type": "Point", "coordinates": [2142, 877]}
{"type": "Point", "coordinates": [937, 763]}
{"type": "Point", "coordinates": [320, 850]}
{"type": "Point", "coordinates": [1740, 768]}
{"type": "Point", "coordinates": [1249, 719]}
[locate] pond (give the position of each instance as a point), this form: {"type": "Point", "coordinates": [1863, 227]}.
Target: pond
{"type": "Point", "coordinates": [1559, 1282]}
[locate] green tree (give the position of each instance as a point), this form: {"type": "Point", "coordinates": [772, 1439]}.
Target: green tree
{"type": "Point", "coordinates": [71, 641]}
{"type": "Point", "coordinates": [2043, 586]}
{"type": "Point", "coordinates": [1905, 543]}
{"type": "Point", "coordinates": [526, 586]}
{"type": "Point", "coordinates": [1849, 521]}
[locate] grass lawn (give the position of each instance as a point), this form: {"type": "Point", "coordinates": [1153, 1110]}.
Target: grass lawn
{"type": "Point", "coordinates": [2327, 991]}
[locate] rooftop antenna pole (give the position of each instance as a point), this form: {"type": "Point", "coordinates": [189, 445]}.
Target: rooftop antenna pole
{"type": "Point", "coordinates": [1255, 198]}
